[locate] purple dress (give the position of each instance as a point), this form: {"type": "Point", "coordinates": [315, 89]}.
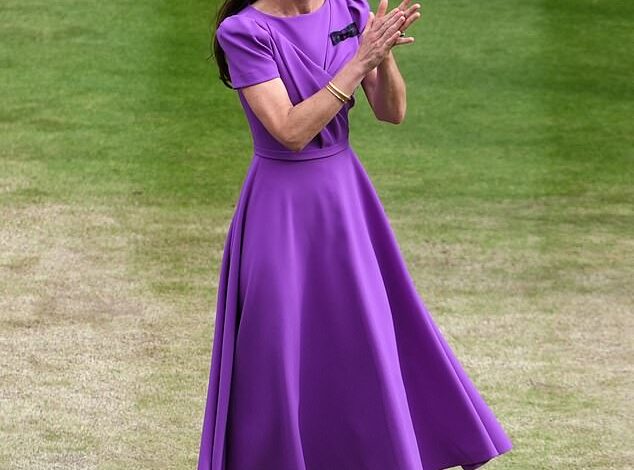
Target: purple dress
{"type": "Point", "coordinates": [324, 356]}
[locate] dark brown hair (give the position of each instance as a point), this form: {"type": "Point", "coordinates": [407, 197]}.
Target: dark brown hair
{"type": "Point", "coordinates": [228, 8]}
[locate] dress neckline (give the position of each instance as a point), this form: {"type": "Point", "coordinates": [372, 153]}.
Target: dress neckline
{"type": "Point", "coordinates": [301, 15]}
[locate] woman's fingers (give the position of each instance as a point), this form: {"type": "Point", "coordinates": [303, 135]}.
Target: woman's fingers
{"type": "Point", "coordinates": [381, 8]}
{"type": "Point", "coordinates": [393, 27]}
{"type": "Point", "coordinates": [412, 14]}
{"type": "Point", "coordinates": [394, 38]}
{"type": "Point", "coordinates": [388, 20]}
{"type": "Point", "coordinates": [368, 24]}
{"type": "Point", "coordinates": [407, 40]}
{"type": "Point", "coordinates": [384, 20]}
{"type": "Point", "coordinates": [383, 29]}
{"type": "Point", "coordinates": [410, 10]}
{"type": "Point", "coordinates": [410, 20]}
{"type": "Point", "coordinates": [403, 4]}
{"type": "Point", "coordinates": [411, 17]}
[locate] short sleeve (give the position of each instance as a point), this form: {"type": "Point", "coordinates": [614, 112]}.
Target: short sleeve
{"type": "Point", "coordinates": [359, 10]}
{"type": "Point", "coordinates": [248, 50]}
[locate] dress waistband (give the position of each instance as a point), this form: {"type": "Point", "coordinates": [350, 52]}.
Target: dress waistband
{"type": "Point", "coordinates": [307, 154]}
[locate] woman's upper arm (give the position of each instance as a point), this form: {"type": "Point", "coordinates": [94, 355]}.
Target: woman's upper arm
{"type": "Point", "coordinates": [253, 70]}
{"type": "Point", "coordinates": [248, 49]}
{"type": "Point", "coordinates": [270, 102]}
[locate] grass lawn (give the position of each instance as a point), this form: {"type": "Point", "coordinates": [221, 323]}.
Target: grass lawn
{"type": "Point", "coordinates": [509, 186]}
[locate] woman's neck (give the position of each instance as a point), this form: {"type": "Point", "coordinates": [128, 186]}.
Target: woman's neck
{"type": "Point", "coordinates": [287, 7]}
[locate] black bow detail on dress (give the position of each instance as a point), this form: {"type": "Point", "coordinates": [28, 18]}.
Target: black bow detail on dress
{"type": "Point", "coordinates": [349, 31]}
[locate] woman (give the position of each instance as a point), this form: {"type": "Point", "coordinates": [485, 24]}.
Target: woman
{"type": "Point", "coordinates": [324, 356]}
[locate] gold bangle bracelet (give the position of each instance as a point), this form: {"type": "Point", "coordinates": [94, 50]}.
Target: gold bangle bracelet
{"type": "Point", "coordinates": [335, 92]}
{"type": "Point", "coordinates": [347, 97]}
{"type": "Point", "coordinates": [337, 95]}
{"type": "Point", "coordinates": [338, 90]}
{"type": "Point", "coordinates": [331, 90]}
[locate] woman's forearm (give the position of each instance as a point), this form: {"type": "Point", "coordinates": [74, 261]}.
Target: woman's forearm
{"type": "Point", "coordinates": [389, 99]}
{"type": "Point", "coordinates": [307, 118]}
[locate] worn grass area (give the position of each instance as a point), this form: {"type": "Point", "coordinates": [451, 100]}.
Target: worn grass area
{"type": "Point", "coordinates": [508, 185]}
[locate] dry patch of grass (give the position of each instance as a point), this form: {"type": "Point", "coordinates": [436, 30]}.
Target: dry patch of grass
{"type": "Point", "coordinates": [535, 299]}
{"type": "Point", "coordinates": [77, 339]}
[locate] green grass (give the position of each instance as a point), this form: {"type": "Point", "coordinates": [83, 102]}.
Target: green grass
{"type": "Point", "coordinates": [509, 186]}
